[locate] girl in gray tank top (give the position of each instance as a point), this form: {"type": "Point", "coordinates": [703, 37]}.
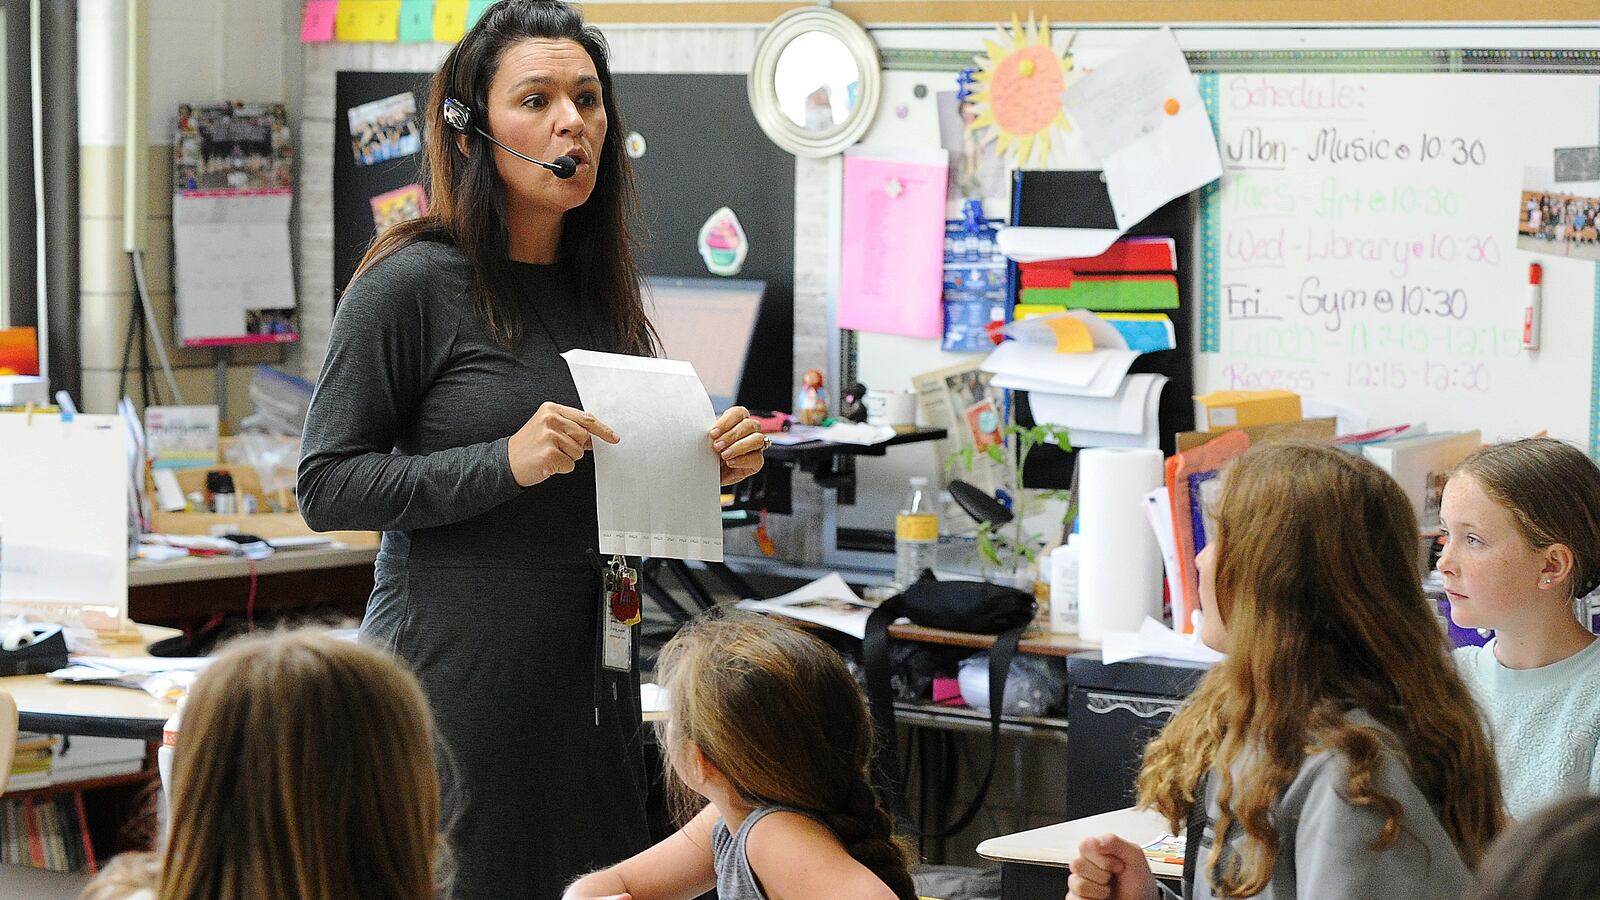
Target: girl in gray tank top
{"type": "Point", "coordinates": [769, 733]}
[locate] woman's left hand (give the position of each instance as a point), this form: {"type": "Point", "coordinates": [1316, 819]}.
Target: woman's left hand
{"type": "Point", "coordinates": [739, 444]}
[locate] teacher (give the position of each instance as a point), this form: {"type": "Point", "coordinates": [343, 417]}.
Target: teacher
{"type": "Point", "coordinates": [445, 417]}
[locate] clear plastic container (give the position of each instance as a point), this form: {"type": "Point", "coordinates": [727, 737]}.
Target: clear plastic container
{"type": "Point", "coordinates": [916, 534]}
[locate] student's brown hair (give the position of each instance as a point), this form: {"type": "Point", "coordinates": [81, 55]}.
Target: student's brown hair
{"type": "Point", "coordinates": [1548, 856]}
{"type": "Point", "coordinates": [778, 714]}
{"type": "Point", "coordinates": [1317, 581]}
{"type": "Point", "coordinates": [305, 768]}
{"type": "Point", "coordinates": [466, 197]}
{"type": "Point", "coordinates": [1552, 490]}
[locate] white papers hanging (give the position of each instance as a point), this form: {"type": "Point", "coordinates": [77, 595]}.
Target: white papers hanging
{"type": "Point", "coordinates": [64, 514]}
{"type": "Point", "coordinates": [1141, 115]}
{"type": "Point", "coordinates": [657, 491]}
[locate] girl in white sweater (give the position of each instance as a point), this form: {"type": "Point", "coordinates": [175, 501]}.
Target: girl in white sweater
{"type": "Point", "coordinates": [1521, 543]}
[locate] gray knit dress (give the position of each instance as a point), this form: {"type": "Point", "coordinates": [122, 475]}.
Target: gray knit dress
{"type": "Point", "coordinates": [483, 587]}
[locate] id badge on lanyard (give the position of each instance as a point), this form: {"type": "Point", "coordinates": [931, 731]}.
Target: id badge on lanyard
{"type": "Point", "coordinates": [619, 612]}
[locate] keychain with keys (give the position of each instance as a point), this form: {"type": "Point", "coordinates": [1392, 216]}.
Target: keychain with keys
{"type": "Point", "coordinates": [619, 613]}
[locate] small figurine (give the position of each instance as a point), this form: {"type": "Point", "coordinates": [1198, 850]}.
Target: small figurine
{"type": "Point", "coordinates": [854, 406]}
{"type": "Point", "coordinates": [812, 408]}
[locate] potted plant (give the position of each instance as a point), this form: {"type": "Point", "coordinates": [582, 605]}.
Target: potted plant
{"type": "Point", "coordinates": [1008, 552]}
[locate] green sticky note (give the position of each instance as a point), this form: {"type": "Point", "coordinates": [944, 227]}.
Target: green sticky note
{"type": "Point", "coordinates": [476, 9]}
{"type": "Point", "coordinates": [416, 21]}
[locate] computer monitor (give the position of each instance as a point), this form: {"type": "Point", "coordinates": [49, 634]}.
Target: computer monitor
{"type": "Point", "coordinates": [708, 322]}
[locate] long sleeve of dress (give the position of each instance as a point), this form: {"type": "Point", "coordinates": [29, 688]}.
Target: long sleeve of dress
{"type": "Point", "coordinates": [388, 342]}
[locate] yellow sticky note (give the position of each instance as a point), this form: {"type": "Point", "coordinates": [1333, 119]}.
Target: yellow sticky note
{"type": "Point", "coordinates": [1072, 335]}
{"type": "Point", "coordinates": [368, 21]}
{"type": "Point", "coordinates": [449, 20]}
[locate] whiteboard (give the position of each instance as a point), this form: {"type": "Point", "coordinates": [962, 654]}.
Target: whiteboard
{"type": "Point", "coordinates": [1362, 248]}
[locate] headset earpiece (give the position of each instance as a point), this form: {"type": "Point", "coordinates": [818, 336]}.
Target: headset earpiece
{"type": "Point", "coordinates": [457, 115]}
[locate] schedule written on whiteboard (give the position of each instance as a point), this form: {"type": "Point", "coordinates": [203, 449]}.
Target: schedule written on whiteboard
{"type": "Point", "coordinates": [1365, 244]}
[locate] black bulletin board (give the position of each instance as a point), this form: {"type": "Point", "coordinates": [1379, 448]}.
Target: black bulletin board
{"type": "Point", "coordinates": [703, 151]}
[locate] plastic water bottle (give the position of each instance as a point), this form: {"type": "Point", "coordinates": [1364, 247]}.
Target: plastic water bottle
{"type": "Point", "coordinates": [1064, 587]}
{"type": "Point", "coordinates": [916, 534]}
{"type": "Point", "coordinates": [169, 744]}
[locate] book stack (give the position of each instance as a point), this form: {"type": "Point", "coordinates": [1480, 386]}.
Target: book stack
{"type": "Point", "coordinates": [49, 833]}
{"type": "Point", "coordinates": [30, 767]}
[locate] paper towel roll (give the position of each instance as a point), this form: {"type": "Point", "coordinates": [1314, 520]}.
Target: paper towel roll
{"type": "Point", "coordinates": [1119, 567]}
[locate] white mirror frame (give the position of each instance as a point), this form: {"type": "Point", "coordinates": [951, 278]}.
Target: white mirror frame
{"type": "Point", "coordinates": [764, 97]}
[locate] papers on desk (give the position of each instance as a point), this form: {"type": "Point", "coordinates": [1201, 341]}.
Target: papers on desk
{"type": "Point", "coordinates": [653, 698]}
{"type": "Point", "coordinates": [162, 677]}
{"type": "Point", "coordinates": [1154, 639]}
{"type": "Point", "coordinates": [857, 433]}
{"type": "Point", "coordinates": [828, 602]}
{"type": "Point", "coordinates": [1074, 366]}
{"type": "Point", "coordinates": [656, 492]}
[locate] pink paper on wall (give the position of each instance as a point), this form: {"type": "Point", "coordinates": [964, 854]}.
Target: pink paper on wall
{"type": "Point", "coordinates": [317, 26]}
{"type": "Point", "coordinates": [893, 256]}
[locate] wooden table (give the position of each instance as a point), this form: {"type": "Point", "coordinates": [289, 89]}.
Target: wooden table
{"type": "Point", "coordinates": [1033, 864]}
{"type": "Point", "coordinates": [95, 710]}
{"type": "Point", "coordinates": [337, 577]}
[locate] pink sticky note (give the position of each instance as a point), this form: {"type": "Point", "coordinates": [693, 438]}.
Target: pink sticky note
{"type": "Point", "coordinates": [892, 260]}
{"type": "Point", "coordinates": [317, 26]}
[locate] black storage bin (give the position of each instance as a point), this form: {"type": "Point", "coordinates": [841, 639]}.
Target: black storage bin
{"type": "Point", "coordinates": [1112, 712]}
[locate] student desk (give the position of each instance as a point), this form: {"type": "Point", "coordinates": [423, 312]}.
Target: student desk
{"type": "Point", "coordinates": [93, 710]}
{"type": "Point", "coordinates": [1033, 864]}
{"type": "Point", "coordinates": [196, 587]}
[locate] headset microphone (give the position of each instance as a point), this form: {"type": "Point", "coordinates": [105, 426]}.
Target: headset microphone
{"type": "Point", "coordinates": [459, 117]}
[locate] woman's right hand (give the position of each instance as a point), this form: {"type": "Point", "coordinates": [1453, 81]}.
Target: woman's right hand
{"type": "Point", "coordinates": [1110, 868]}
{"type": "Point", "coordinates": [552, 442]}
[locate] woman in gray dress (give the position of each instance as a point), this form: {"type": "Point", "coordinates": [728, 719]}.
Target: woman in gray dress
{"type": "Point", "coordinates": [446, 418]}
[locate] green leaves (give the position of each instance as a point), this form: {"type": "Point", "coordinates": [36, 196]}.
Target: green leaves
{"type": "Point", "coordinates": [1007, 551]}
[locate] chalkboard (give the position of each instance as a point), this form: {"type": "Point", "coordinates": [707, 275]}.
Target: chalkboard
{"type": "Point", "coordinates": [1366, 246]}
{"type": "Point", "coordinates": [702, 151]}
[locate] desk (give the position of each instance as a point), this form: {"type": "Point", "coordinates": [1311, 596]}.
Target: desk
{"type": "Point", "coordinates": [93, 710]}
{"type": "Point", "coordinates": [197, 587]}
{"type": "Point", "coordinates": [1033, 864]}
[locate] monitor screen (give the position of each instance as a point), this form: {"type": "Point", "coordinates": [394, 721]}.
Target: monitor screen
{"type": "Point", "coordinates": [707, 322]}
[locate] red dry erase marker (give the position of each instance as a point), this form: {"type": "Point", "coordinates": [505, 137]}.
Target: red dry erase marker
{"type": "Point", "coordinates": [1530, 313]}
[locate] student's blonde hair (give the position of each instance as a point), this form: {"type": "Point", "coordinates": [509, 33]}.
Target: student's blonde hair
{"type": "Point", "coordinates": [1552, 490]}
{"type": "Point", "coordinates": [1317, 582]}
{"type": "Point", "coordinates": [776, 711]}
{"type": "Point", "coordinates": [305, 768]}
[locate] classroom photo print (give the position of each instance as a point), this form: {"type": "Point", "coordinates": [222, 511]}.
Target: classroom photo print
{"type": "Point", "coordinates": [385, 129]}
{"type": "Point", "coordinates": [1557, 218]}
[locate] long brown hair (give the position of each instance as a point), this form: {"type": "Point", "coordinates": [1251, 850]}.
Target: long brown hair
{"type": "Point", "coordinates": [305, 768]}
{"type": "Point", "coordinates": [467, 199]}
{"type": "Point", "coordinates": [1549, 856]}
{"type": "Point", "coordinates": [1317, 582]}
{"type": "Point", "coordinates": [778, 714]}
{"type": "Point", "coordinates": [1552, 491]}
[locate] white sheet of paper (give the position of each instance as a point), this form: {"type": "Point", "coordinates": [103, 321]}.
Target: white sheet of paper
{"type": "Point", "coordinates": [1023, 365]}
{"type": "Point", "coordinates": [1149, 155]}
{"type": "Point", "coordinates": [656, 492]}
{"type": "Point", "coordinates": [1154, 639]}
{"type": "Point", "coordinates": [1028, 243]}
{"type": "Point", "coordinates": [828, 601]}
{"type": "Point", "coordinates": [1149, 436]}
{"type": "Point", "coordinates": [1121, 413]}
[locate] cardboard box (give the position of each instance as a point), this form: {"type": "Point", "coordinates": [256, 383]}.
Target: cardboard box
{"type": "Point", "coordinates": [1238, 409]}
{"type": "Point", "coordinates": [277, 514]}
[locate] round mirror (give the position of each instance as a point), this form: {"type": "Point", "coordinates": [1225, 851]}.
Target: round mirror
{"type": "Point", "coordinates": [815, 83]}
